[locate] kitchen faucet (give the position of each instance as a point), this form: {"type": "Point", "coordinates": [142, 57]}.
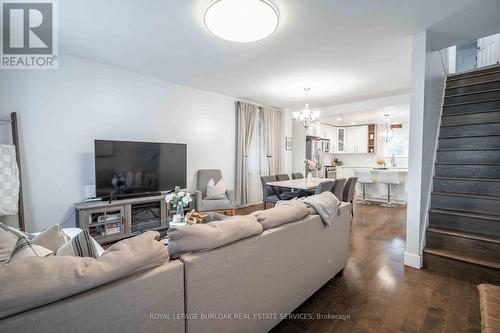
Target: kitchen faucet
{"type": "Point", "coordinates": [393, 161]}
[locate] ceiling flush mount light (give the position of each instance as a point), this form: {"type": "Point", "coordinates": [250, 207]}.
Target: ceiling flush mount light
{"type": "Point", "coordinates": [241, 21]}
{"type": "Point", "coordinates": [306, 117]}
{"type": "Point", "coordinates": [387, 133]}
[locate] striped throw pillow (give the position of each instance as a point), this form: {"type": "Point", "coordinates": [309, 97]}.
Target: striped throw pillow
{"type": "Point", "coordinates": [81, 245]}
{"type": "Point", "coordinates": [24, 248]}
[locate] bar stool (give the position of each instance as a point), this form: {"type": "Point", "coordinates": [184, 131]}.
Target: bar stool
{"type": "Point", "coordinates": [390, 178]}
{"type": "Point", "coordinates": [364, 177]}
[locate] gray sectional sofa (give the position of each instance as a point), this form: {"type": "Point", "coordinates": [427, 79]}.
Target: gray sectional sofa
{"type": "Point", "coordinates": [233, 288]}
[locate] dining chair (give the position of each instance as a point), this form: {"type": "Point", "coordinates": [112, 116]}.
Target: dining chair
{"type": "Point", "coordinates": [324, 186]}
{"type": "Point", "coordinates": [297, 175]}
{"type": "Point", "coordinates": [338, 187]}
{"type": "Point", "coordinates": [348, 195]}
{"type": "Point", "coordinates": [268, 194]}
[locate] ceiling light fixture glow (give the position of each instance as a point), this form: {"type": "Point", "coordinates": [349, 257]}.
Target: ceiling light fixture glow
{"type": "Point", "coordinates": [241, 21]}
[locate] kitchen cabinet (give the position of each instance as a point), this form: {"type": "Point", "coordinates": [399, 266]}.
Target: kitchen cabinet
{"type": "Point", "coordinates": [356, 139]}
{"type": "Point", "coordinates": [341, 140]}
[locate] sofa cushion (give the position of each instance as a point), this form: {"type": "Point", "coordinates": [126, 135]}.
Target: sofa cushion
{"type": "Point", "coordinates": [216, 191]}
{"type": "Point", "coordinates": [202, 237]}
{"type": "Point", "coordinates": [283, 212]}
{"type": "Point", "coordinates": [81, 245]}
{"type": "Point", "coordinates": [63, 276]}
{"type": "Point", "coordinates": [51, 238]}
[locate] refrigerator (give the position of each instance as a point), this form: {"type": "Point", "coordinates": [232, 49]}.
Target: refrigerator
{"type": "Point", "coordinates": [315, 150]}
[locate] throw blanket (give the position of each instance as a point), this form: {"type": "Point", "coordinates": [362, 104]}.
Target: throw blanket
{"type": "Point", "coordinates": [9, 180]}
{"type": "Point", "coordinates": [326, 204]}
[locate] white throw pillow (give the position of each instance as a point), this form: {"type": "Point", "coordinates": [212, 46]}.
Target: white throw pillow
{"type": "Point", "coordinates": [216, 191]}
{"type": "Point", "coordinates": [51, 238]}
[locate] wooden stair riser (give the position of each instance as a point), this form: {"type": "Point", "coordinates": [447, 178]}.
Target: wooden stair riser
{"type": "Point", "coordinates": [476, 97]}
{"type": "Point", "coordinates": [473, 88]}
{"type": "Point", "coordinates": [485, 142]}
{"type": "Point", "coordinates": [468, 156]}
{"type": "Point", "coordinates": [453, 266]}
{"type": "Point", "coordinates": [467, 186]}
{"type": "Point", "coordinates": [469, 131]}
{"type": "Point", "coordinates": [483, 106]}
{"type": "Point", "coordinates": [493, 76]}
{"type": "Point", "coordinates": [464, 246]}
{"type": "Point", "coordinates": [465, 223]}
{"type": "Point", "coordinates": [466, 204]}
{"type": "Point", "coordinates": [468, 171]}
{"type": "Point", "coordinates": [471, 119]}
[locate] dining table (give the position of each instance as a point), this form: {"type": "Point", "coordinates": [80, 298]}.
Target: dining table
{"type": "Point", "coordinates": [301, 184]}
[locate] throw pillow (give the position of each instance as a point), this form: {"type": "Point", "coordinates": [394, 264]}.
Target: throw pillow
{"type": "Point", "coordinates": [24, 248]}
{"type": "Point", "coordinates": [81, 245]}
{"type": "Point", "coordinates": [7, 243]}
{"type": "Point", "coordinates": [216, 191]}
{"type": "Point", "coordinates": [51, 238]}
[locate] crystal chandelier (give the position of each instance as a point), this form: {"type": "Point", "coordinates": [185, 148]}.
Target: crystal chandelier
{"type": "Point", "coordinates": [306, 117]}
{"type": "Point", "coordinates": [387, 133]}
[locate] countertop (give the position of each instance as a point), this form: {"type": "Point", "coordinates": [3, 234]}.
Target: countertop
{"type": "Point", "coordinates": [374, 168]}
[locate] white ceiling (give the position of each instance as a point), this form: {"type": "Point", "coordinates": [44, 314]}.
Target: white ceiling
{"type": "Point", "coordinates": [370, 111]}
{"type": "Point", "coordinates": [343, 50]}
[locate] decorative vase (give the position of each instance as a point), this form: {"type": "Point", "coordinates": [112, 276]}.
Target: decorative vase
{"type": "Point", "coordinates": [179, 214]}
{"type": "Point", "coordinates": [309, 176]}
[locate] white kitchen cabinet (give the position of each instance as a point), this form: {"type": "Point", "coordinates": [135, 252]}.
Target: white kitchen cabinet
{"type": "Point", "coordinates": [356, 141]}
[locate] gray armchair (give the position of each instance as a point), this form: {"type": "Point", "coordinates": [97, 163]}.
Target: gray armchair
{"type": "Point", "coordinates": [225, 205]}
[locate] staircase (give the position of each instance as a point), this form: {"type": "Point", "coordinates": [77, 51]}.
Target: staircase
{"type": "Point", "coordinates": [463, 235]}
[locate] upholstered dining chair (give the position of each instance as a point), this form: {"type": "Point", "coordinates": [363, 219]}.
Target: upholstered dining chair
{"type": "Point", "coordinates": [268, 194]}
{"type": "Point", "coordinates": [348, 195]}
{"type": "Point", "coordinates": [225, 205]}
{"type": "Point", "coordinates": [297, 175]}
{"type": "Point", "coordinates": [338, 188]}
{"type": "Point", "coordinates": [281, 177]}
{"type": "Point", "coordinates": [324, 186]}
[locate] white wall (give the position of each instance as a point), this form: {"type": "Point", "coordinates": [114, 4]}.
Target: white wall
{"type": "Point", "coordinates": [287, 131]}
{"type": "Point", "coordinates": [62, 111]}
{"type": "Point", "coordinates": [428, 78]}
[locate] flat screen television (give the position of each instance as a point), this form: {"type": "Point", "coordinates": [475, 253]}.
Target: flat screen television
{"type": "Point", "coordinates": [125, 168]}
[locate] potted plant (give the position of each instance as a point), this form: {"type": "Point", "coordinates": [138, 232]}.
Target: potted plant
{"type": "Point", "coordinates": [178, 200]}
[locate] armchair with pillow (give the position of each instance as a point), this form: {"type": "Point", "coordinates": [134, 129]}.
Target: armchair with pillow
{"type": "Point", "coordinates": [211, 194]}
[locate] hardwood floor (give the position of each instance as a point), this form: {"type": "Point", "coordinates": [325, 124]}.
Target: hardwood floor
{"type": "Point", "coordinates": [377, 293]}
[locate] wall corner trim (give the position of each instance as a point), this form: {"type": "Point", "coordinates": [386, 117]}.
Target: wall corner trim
{"type": "Point", "coordinates": [413, 260]}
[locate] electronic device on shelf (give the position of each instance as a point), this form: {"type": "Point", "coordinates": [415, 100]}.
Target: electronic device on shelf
{"type": "Point", "coordinates": [126, 169]}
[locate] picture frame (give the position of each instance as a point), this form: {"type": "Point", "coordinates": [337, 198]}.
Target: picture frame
{"type": "Point", "coordinates": [288, 143]}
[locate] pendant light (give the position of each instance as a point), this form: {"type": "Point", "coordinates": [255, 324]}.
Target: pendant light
{"type": "Point", "coordinates": [387, 133]}
{"type": "Point", "coordinates": [306, 117]}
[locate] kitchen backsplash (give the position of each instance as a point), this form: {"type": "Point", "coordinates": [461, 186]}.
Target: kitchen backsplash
{"type": "Point", "coordinates": [364, 160]}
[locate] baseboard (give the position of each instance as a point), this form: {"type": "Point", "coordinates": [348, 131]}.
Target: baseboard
{"type": "Point", "coordinates": [413, 260]}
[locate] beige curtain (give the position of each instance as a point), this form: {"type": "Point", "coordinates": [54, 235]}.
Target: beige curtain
{"type": "Point", "coordinates": [271, 121]}
{"type": "Point", "coordinates": [246, 115]}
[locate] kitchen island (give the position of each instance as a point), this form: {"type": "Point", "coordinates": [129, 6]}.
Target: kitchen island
{"type": "Point", "coordinates": [376, 191]}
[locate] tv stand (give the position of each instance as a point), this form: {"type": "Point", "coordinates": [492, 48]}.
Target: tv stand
{"type": "Point", "coordinates": [110, 221]}
{"type": "Point", "coordinates": [131, 196]}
